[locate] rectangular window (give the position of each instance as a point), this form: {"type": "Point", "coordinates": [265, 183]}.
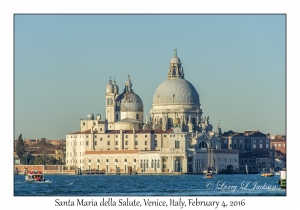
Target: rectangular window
{"type": "Point", "coordinates": [283, 145]}
{"type": "Point", "coordinates": [137, 116]}
{"type": "Point", "coordinates": [87, 143]}
{"type": "Point", "coordinates": [108, 136]}
{"type": "Point", "coordinates": [108, 142]}
{"type": "Point", "coordinates": [86, 136]}
{"type": "Point", "coordinates": [126, 142]}
{"type": "Point", "coordinates": [126, 136]}
{"type": "Point", "coordinates": [146, 142]}
{"type": "Point", "coordinates": [100, 139]}
{"type": "Point", "coordinates": [267, 144]}
{"type": "Point", "coordinates": [116, 136]}
{"type": "Point", "coordinates": [177, 144]}
{"type": "Point", "coordinates": [136, 143]}
{"type": "Point", "coordinates": [95, 143]}
{"type": "Point", "coordinates": [279, 145]}
{"type": "Point", "coordinates": [260, 143]}
{"type": "Point", "coordinates": [116, 149]}
{"type": "Point", "coordinates": [95, 136]}
{"type": "Point", "coordinates": [254, 144]}
{"type": "Point", "coordinates": [117, 143]}
{"type": "Point", "coordinates": [100, 129]}
{"type": "Point", "coordinates": [117, 116]}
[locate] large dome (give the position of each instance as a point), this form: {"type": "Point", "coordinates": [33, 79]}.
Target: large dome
{"type": "Point", "coordinates": [129, 101]}
{"type": "Point", "coordinates": [176, 91]}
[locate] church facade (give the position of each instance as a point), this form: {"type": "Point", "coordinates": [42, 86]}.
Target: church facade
{"type": "Point", "coordinates": [174, 139]}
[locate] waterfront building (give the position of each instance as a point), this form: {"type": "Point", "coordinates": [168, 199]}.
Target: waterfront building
{"type": "Point", "coordinates": [175, 138]}
{"type": "Point", "coordinates": [278, 143]}
{"type": "Point", "coordinates": [255, 150]}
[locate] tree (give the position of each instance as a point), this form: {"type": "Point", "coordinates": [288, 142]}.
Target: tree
{"type": "Point", "coordinates": [38, 160]}
{"type": "Point", "coordinates": [20, 147]}
{"type": "Point", "coordinates": [51, 161]}
{"type": "Point", "coordinates": [44, 149]}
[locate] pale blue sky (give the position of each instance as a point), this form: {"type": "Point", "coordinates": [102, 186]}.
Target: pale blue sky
{"type": "Point", "coordinates": [237, 63]}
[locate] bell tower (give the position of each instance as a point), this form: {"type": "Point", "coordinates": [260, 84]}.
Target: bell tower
{"type": "Point", "coordinates": [110, 103]}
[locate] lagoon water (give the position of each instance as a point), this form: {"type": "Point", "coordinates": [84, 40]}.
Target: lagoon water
{"type": "Point", "coordinates": [150, 185]}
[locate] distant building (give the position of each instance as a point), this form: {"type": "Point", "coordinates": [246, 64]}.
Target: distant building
{"type": "Point", "coordinates": [175, 138]}
{"type": "Point", "coordinates": [279, 143]}
{"type": "Point", "coordinates": [255, 152]}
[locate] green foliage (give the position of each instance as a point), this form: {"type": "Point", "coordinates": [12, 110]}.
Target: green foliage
{"type": "Point", "coordinates": [39, 160]}
{"type": "Point", "coordinates": [73, 167]}
{"type": "Point", "coordinates": [20, 147]}
{"type": "Point", "coordinates": [51, 161]}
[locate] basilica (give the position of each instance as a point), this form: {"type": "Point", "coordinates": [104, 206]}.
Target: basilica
{"type": "Point", "coordinates": [175, 138]}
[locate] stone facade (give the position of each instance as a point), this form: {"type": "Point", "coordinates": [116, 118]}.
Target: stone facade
{"type": "Point", "coordinates": [174, 139]}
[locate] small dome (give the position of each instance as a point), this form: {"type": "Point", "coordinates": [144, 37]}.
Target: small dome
{"type": "Point", "coordinates": [129, 101]}
{"type": "Point", "coordinates": [175, 60]}
{"type": "Point", "coordinates": [90, 116]}
{"type": "Point", "coordinates": [157, 127]}
{"type": "Point", "coordinates": [110, 87]}
{"type": "Point", "coordinates": [116, 88]}
{"type": "Point", "coordinates": [147, 127]}
{"type": "Point", "coordinates": [128, 82]}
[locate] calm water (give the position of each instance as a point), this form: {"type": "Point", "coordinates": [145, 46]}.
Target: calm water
{"type": "Point", "coordinates": [150, 185]}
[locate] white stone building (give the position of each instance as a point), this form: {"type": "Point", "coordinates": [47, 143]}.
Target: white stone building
{"type": "Point", "coordinates": [175, 139]}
